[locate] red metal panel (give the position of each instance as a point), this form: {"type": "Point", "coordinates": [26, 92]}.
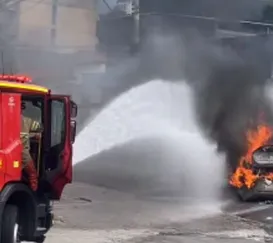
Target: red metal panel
{"type": "Point", "coordinates": [2, 165]}
{"type": "Point", "coordinates": [10, 147]}
{"type": "Point", "coordinates": [68, 149]}
{"type": "Point", "coordinates": [11, 118]}
{"type": "Point", "coordinates": [64, 175]}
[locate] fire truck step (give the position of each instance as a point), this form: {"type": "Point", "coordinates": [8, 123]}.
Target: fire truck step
{"type": "Point", "coordinates": [41, 210]}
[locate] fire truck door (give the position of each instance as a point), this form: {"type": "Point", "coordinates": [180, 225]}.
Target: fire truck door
{"type": "Point", "coordinates": [59, 160]}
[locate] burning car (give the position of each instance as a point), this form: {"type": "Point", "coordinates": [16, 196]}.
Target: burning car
{"type": "Point", "coordinates": [253, 177]}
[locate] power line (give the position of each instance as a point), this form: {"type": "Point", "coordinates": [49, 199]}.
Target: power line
{"type": "Point", "coordinates": [107, 5]}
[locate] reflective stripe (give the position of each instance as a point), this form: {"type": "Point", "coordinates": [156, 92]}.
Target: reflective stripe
{"type": "Point", "coordinates": [24, 135]}
{"type": "Point", "coordinates": [35, 125]}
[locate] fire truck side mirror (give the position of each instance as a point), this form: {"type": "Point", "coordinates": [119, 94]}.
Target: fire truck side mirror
{"type": "Point", "coordinates": [74, 109]}
{"type": "Point", "coordinates": [73, 128]}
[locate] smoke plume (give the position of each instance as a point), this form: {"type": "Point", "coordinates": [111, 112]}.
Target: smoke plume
{"type": "Point", "coordinates": [230, 95]}
{"type": "Point", "coordinates": [229, 78]}
{"type": "Point", "coordinates": [229, 75]}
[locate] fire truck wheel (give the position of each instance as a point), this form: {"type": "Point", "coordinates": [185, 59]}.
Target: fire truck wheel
{"type": "Point", "coordinates": [10, 226]}
{"type": "Point", "coordinates": [40, 239]}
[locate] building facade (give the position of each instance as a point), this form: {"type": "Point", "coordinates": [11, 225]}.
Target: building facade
{"type": "Point", "coordinates": [49, 39]}
{"type": "Point", "coordinates": [60, 23]}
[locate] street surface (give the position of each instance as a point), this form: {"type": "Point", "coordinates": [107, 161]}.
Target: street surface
{"type": "Point", "coordinates": [131, 195]}
{"type": "Point", "coordinates": [134, 194]}
{"type": "Point", "coordinates": [99, 215]}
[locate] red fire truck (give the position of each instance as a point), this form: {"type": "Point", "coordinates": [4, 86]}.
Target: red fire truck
{"type": "Point", "coordinates": [26, 215]}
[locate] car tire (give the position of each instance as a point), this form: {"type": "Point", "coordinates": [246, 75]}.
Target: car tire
{"type": "Point", "coordinates": [10, 225]}
{"type": "Point", "coordinates": [246, 195]}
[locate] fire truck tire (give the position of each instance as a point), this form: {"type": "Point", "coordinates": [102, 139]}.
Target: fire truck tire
{"type": "Point", "coordinates": [10, 226]}
{"type": "Point", "coordinates": [40, 239]}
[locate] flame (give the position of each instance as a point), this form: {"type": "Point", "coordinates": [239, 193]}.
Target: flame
{"type": "Point", "coordinates": [244, 175]}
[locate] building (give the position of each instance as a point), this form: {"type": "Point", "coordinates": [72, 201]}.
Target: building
{"type": "Point", "coordinates": [49, 39]}
{"type": "Point", "coordinates": [63, 24]}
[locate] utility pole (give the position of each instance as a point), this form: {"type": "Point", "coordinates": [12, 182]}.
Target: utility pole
{"type": "Point", "coordinates": [136, 14]}
{"type": "Point", "coordinates": [136, 29]}
{"type": "Point", "coordinates": [54, 18]}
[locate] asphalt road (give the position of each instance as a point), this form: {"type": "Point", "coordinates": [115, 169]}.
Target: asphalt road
{"type": "Point", "coordinates": [96, 214]}
{"type": "Point", "coordinates": [133, 197]}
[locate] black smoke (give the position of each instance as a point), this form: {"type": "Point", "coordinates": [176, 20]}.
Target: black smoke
{"type": "Point", "coordinates": [228, 75]}
{"type": "Point", "coordinates": [230, 96]}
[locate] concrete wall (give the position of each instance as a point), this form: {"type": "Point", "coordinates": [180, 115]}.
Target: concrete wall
{"type": "Point", "coordinates": [75, 23]}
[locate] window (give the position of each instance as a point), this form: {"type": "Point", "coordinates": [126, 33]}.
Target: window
{"type": "Point", "coordinates": [57, 122]}
{"type": "Point", "coordinates": [32, 109]}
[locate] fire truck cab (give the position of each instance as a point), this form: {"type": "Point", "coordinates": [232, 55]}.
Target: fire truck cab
{"type": "Point", "coordinates": [26, 215]}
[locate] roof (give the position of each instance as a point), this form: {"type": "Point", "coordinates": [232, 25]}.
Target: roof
{"type": "Point", "coordinates": [24, 87]}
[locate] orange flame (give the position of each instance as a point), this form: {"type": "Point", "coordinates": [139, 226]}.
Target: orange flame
{"type": "Point", "coordinates": [244, 175]}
